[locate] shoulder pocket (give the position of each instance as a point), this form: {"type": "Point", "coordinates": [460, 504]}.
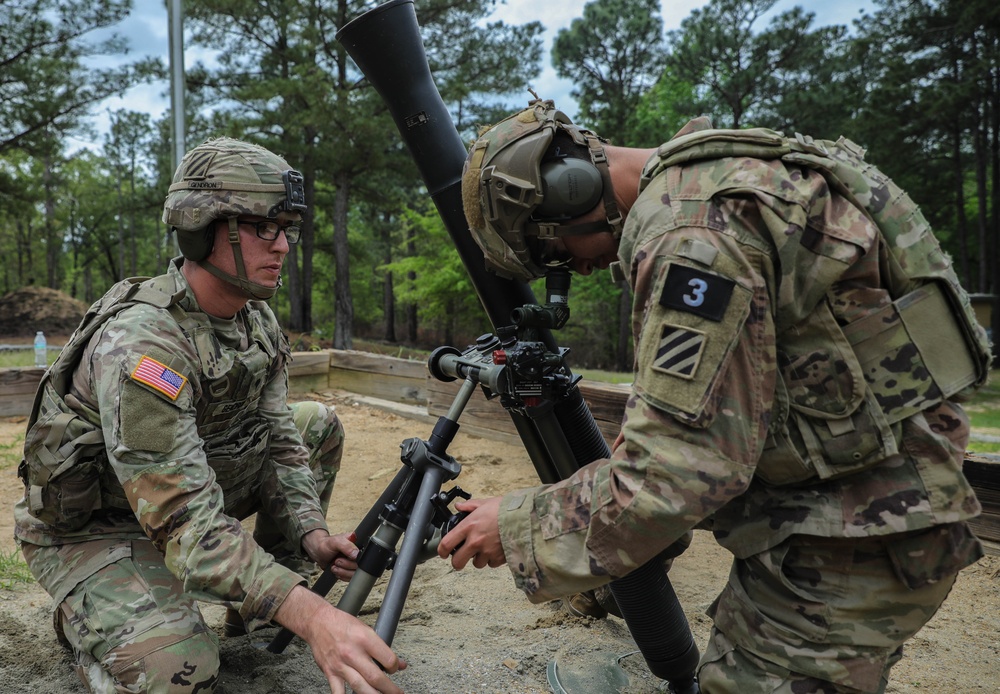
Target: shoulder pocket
{"type": "Point", "coordinates": [694, 318]}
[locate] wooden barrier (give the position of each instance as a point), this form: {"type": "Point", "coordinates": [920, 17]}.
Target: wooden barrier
{"type": "Point", "coordinates": [405, 387]}
{"type": "Point", "coordinates": [983, 472]}
{"type": "Point", "coordinates": [17, 390]}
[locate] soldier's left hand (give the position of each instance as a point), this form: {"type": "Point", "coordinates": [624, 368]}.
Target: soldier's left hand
{"type": "Point", "coordinates": [338, 553]}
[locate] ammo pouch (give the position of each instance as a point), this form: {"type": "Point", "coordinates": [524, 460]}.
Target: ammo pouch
{"type": "Point", "coordinates": [63, 459]}
{"type": "Point", "coordinates": [237, 464]}
{"type": "Point", "coordinates": [879, 370]}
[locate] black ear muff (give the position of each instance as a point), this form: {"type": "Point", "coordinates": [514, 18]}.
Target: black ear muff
{"type": "Point", "coordinates": [571, 188]}
{"type": "Point", "coordinates": [196, 245]}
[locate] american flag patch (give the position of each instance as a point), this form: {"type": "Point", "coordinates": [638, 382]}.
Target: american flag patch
{"type": "Point", "coordinates": [679, 351]}
{"type": "Point", "coordinates": [158, 376]}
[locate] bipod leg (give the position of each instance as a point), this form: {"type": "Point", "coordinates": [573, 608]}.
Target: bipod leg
{"type": "Point", "coordinates": [366, 529]}
{"type": "Point", "coordinates": [432, 459]}
{"type": "Point", "coordinates": [416, 534]}
{"type": "Point", "coordinates": [428, 464]}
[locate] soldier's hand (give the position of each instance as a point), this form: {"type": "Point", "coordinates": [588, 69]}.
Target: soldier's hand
{"type": "Point", "coordinates": [347, 650]}
{"type": "Point", "coordinates": [619, 440]}
{"type": "Point", "coordinates": [477, 537]}
{"type": "Point", "coordinates": [337, 553]}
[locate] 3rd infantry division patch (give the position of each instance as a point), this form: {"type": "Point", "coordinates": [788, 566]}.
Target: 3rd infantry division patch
{"type": "Point", "coordinates": [680, 351]}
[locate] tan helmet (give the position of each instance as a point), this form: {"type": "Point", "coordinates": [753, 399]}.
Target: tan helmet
{"type": "Point", "coordinates": [224, 178]}
{"type": "Point", "coordinates": [514, 191]}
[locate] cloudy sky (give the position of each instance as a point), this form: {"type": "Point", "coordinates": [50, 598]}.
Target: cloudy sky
{"type": "Point", "coordinates": [146, 30]}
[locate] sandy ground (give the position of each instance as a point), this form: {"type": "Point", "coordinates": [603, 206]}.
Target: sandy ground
{"type": "Point", "coordinates": [472, 631]}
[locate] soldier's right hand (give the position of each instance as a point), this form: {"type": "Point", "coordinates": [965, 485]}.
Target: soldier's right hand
{"type": "Point", "coordinates": [345, 648]}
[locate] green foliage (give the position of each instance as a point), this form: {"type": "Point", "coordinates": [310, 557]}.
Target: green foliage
{"type": "Point", "coordinates": [593, 328]}
{"type": "Point", "coordinates": [915, 83]}
{"type": "Point", "coordinates": [296, 90]}
{"type": "Point", "coordinates": [983, 409]}
{"type": "Point", "coordinates": [929, 100]}
{"type": "Point", "coordinates": [11, 452]}
{"type": "Point", "coordinates": [662, 111]}
{"type": "Point", "coordinates": [475, 62]}
{"type": "Point", "coordinates": [743, 74]}
{"type": "Point", "coordinates": [613, 54]}
{"type": "Point", "coordinates": [45, 90]}
{"type": "Point", "coordinates": [434, 278]}
{"type": "Point", "coordinates": [13, 570]}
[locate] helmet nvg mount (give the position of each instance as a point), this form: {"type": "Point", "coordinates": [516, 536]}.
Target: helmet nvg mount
{"type": "Point", "coordinates": [516, 188]}
{"type": "Point", "coordinates": [224, 179]}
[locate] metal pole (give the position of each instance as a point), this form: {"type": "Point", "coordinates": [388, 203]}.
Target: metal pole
{"type": "Point", "coordinates": [175, 34]}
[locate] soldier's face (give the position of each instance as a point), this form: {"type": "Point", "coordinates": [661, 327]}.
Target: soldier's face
{"type": "Point", "coordinates": [586, 251]}
{"type": "Point", "coordinates": [262, 258]}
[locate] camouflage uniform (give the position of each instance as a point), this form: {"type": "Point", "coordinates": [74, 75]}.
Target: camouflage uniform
{"type": "Point", "coordinates": [181, 455]}
{"type": "Point", "coordinates": [760, 411]}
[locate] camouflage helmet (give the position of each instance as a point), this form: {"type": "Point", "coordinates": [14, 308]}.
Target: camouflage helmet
{"type": "Point", "coordinates": [223, 178]}
{"type": "Point", "coordinates": [504, 189]}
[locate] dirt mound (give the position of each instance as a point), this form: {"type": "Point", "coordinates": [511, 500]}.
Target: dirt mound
{"type": "Point", "coordinates": [25, 311]}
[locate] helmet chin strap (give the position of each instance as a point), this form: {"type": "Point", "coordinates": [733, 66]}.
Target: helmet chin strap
{"type": "Point", "coordinates": [253, 290]}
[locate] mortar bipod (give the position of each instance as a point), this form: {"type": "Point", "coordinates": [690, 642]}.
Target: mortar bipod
{"type": "Point", "coordinates": [413, 507]}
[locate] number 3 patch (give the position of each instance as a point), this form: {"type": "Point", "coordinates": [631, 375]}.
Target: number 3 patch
{"type": "Point", "coordinates": [693, 291]}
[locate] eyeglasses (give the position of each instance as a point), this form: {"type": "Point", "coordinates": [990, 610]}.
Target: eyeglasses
{"type": "Point", "coordinates": [268, 230]}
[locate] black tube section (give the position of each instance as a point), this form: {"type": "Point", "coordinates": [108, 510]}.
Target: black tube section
{"type": "Point", "coordinates": [659, 626]}
{"type": "Point", "coordinates": [386, 46]}
{"type": "Point", "coordinates": [582, 432]}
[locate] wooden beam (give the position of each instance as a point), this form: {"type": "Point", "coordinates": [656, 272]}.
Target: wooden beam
{"type": "Point", "coordinates": [388, 378]}
{"type": "Point", "coordinates": [17, 390]}
{"type": "Point", "coordinates": [309, 364]}
{"type": "Point", "coordinates": [983, 472]}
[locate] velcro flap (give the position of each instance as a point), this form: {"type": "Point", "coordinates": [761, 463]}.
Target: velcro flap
{"type": "Point", "coordinates": [931, 324]}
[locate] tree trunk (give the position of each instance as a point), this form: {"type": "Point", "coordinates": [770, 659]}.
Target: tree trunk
{"type": "Point", "coordinates": [53, 247]}
{"type": "Point", "coordinates": [133, 249]}
{"type": "Point", "coordinates": [411, 309]}
{"type": "Point", "coordinates": [982, 156]}
{"type": "Point", "coordinates": [388, 299]}
{"type": "Point", "coordinates": [961, 223]}
{"type": "Point", "coordinates": [306, 247]}
{"type": "Point", "coordinates": [294, 289]}
{"type": "Point", "coordinates": [23, 251]}
{"type": "Point", "coordinates": [994, 286]}
{"type": "Point", "coordinates": [344, 306]}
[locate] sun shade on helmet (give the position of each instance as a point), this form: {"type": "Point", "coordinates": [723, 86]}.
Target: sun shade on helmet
{"type": "Point", "coordinates": [225, 178]}
{"type": "Point", "coordinates": [515, 190]}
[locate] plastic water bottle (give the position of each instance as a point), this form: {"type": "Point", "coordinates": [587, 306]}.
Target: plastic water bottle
{"type": "Point", "coordinates": [41, 356]}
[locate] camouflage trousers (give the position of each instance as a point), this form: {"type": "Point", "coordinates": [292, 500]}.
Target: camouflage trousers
{"type": "Point", "coordinates": [829, 615]}
{"type": "Point", "coordinates": [126, 617]}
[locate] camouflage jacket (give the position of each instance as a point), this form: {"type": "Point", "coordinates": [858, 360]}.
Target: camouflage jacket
{"type": "Point", "coordinates": [173, 445]}
{"type": "Point", "coordinates": [743, 381]}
